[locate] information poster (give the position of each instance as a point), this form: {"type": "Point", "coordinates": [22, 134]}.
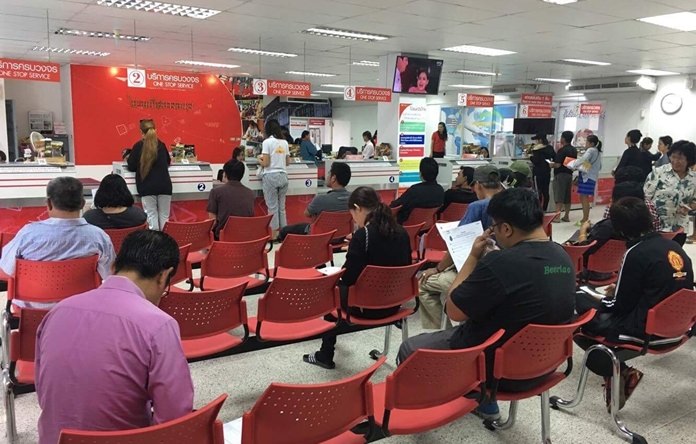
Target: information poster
{"type": "Point", "coordinates": [583, 119]}
{"type": "Point", "coordinates": [478, 123]}
{"type": "Point", "coordinates": [412, 138]}
{"type": "Point", "coordinates": [452, 116]}
{"type": "Point", "coordinates": [504, 140]}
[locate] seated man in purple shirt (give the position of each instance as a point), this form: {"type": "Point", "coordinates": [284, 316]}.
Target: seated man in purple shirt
{"type": "Point", "coordinates": [106, 358]}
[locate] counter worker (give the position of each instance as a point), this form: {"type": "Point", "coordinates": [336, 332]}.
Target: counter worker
{"type": "Point", "coordinates": [308, 151]}
{"type": "Point", "coordinates": [438, 141]}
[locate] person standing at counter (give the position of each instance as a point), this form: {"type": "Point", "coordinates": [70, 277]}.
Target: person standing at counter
{"type": "Point", "coordinates": [438, 141]}
{"type": "Point", "coordinates": [308, 151]}
{"type": "Point", "coordinates": [589, 166]}
{"type": "Point", "coordinates": [368, 150]}
{"type": "Point", "coordinates": [541, 158]}
{"type": "Point", "coordinates": [114, 205]}
{"type": "Point", "coordinates": [274, 159]}
{"type": "Point", "coordinates": [150, 161]}
{"type": "Point", "coordinates": [563, 176]}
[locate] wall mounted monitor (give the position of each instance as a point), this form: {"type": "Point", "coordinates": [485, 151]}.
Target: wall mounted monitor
{"type": "Point", "coordinates": [534, 126]}
{"type": "Point", "coordinates": [414, 75]}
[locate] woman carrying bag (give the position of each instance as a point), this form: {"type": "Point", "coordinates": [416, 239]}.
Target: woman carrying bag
{"type": "Point", "coordinates": [588, 166]}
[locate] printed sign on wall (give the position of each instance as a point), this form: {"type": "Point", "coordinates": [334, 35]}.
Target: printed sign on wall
{"type": "Point", "coordinates": [284, 88]}
{"type": "Point", "coordinates": [29, 70]}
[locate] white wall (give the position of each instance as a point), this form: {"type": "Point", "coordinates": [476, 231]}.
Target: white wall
{"type": "Point", "coordinates": [680, 125]}
{"type": "Point", "coordinates": [362, 117]}
{"type": "Point", "coordinates": [30, 95]}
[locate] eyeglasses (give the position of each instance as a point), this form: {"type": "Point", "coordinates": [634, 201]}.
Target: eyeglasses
{"type": "Point", "coordinates": [165, 293]}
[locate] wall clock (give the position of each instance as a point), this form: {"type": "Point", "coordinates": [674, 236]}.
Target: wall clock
{"type": "Point", "coordinates": [671, 103]}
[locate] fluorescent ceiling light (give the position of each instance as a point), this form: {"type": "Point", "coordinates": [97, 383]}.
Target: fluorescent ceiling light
{"type": "Point", "coordinates": [329, 92]}
{"type": "Point", "coordinates": [366, 63]}
{"type": "Point", "coordinates": [345, 34]}
{"type": "Point", "coordinates": [310, 74]}
{"type": "Point", "coordinates": [261, 52]}
{"type": "Point", "coordinates": [681, 21]}
{"type": "Point", "coordinates": [100, 34]}
{"type": "Point", "coordinates": [479, 50]}
{"type": "Point", "coordinates": [560, 2]}
{"type": "Point", "coordinates": [333, 85]}
{"type": "Point", "coordinates": [476, 73]}
{"type": "Point", "coordinates": [551, 80]}
{"type": "Point", "coordinates": [652, 72]}
{"type": "Point", "coordinates": [69, 51]}
{"type": "Point", "coordinates": [161, 8]}
{"type": "Point", "coordinates": [207, 64]}
{"type": "Point", "coordinates": [587, 62]}
{"type": "Point", "coordinates": [469, 86]}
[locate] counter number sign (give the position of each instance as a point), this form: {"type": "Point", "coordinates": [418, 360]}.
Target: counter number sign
{"type": "Point", "coordinates": [308, 183]}
{"type": "Point", "coordinates": [136, 78]}
{"type": "Point", "coordinates": [201, 187]}
{"type": "Point", "coordinates": [260, 87]}
{"type": "Point", "coordinates": [391, 179]}
{"type": "Point", "coordinates": [349, 93]}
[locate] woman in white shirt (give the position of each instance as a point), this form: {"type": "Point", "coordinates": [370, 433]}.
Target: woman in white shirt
{"type": "Point", "coordinates": [274, 159]}
{"type": "Point", "coordinates": [368, 150]}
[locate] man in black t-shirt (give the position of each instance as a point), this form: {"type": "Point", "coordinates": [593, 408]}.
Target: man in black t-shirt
{"type": "Point", "coordinates": [531, 280]}
{"type": "Point", "coordinates": [427, 194]}
{"type": "Point", "coordinates": [563, 176]}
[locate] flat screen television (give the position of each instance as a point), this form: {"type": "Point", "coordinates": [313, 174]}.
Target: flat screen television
{"type": "Point", "coordinates": [534, 126]}
{"type": "Point", "coordinates": [414, 75]}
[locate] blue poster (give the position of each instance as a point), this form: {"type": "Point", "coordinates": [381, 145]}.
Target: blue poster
{"type": "Point", "coordinates": [412, 139]}
{"type": "Point", "coordinates": [452, 116]}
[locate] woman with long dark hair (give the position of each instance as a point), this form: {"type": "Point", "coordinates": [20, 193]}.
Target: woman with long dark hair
{"type": "Point", "coordinates": [274, 159]}
{"type": "Point", "coordinates": [589, 166]}
{"type": "Point", "coordinates": [664, 144]}
{"type": "Point", "coordinates": [438, 141]}
{"type": "Point", "coordinates": [379, 240]}
{"type": "Point", "coordinates": [114, 205]}
{"type": "Point", "coordinates": [150, 161]}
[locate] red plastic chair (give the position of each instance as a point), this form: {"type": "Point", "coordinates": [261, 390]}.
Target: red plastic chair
{"type": "Point", "coordinates": [299, 255]}
{"type": "Point", "coordinates": [536, 351]}
{"type": "Point", "coordinates": [384, 287]}
{"type": "Point", "coordinates": [607, 259]}
{"type": "Point", "coordinates": [183, 270]}
{"type": "Point", "coordinates": [5, 239]}
{"type": "Point", "coordinates": [414, 239]}
{"type": "Point", "coordinates": [454, 212]}
{"type": "Point", "coordinates": [198, 234]}
{"type": "Point", "coordinates": [21, 369]}
{"type": "Point", "coordinates": [434, 247]}
{"type": "Point", "coordinates": [340, 221]}
{"type": "Point", "coordinates": [229, 264]}
{"type": "Point", "coordinates": [668, 326]}
{"type": "Point", "coordinates": [294, 308]}
{"type": "Point", "coordinates": [427, 390]}
{"type": "Point", "coordinates": [577, 255]}
{"type": "Point", "coordinates": [548, 223]}
{"type": "Point", "coordinates": [424, 215]}
{"type": "Point", "coordinates": [316, 413]}
{"type": "Point", "coordinates": [244, 229]}
{"type": "Point", "coordinates": [198, 427]}
{"type": "Point", "coordinates": [117, 235]}
{"type": "Point", "coordinates": [206, 317]}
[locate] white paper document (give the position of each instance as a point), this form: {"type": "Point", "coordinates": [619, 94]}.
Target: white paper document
{"type": "Point", "coordinates": [599, 292]}
{"type": "Point", "coordinates": [459, 239]}
{"type": "Point", "coordinates": [329, 270]}
{"type": "Point", "coordinates": [233, 431]}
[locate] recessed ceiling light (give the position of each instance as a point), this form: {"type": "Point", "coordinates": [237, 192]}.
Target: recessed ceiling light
{"type": "Point", "coordinates": [586, 62]}
{"type": "Point", "coordinates": [366, 63]}
{"type": "Point", "coordinates": [652, 72]}
{"type": "Point", "coordinates": [681, 21]}
{"type": "Point", "coordinates": [329, 92]}
{"type": "Point", "coordinates": [69, 51]}
{"type": "Point", "coordinates": [469, 86]}
{"type": "Point", "coordinates": [161, 8]}
{"type": "Point", "coordinates": [476, 73]}
{"type": "Point", "coordinates": [262, 52]}
{"type": "Point", "coordinates": [345, 34]}
{"type": "Point", "coordinates": [333, 85]}
{"type": "Point", "coordinates": [207, 64]}
{"type": "Point", "coordinates": [100, 34]}
{"type": "Point", "coordinates": [310, 74]}
{"type": "Point", "coordinates": [560, 2]}
{"type": "Point", "coordinates": [551, 80]}
{"type": "Point", "coordinates": [479, 50]}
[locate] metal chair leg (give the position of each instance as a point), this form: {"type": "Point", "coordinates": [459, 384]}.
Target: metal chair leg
{"type": "Point", "coordinates": [616, 388]}
{"type": "Point", "coordinates": [557, 402]}
{"type": "Point", "coordinates": [404, 330]}
{"type": "Point", "coordinates": [443, 320]}
{"type": "Point", "coordinates": [376, 354]}
{"type": "Point", "coordinates": [508, 423]}
{"type": "Point", "coordinates": [545, 418]}
{"type": "Point", "coordinates": [6, 327]}
{"type": "Point", "coordinates": [10, 420]}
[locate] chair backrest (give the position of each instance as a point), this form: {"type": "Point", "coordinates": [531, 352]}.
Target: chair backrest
{"type": "Point", "coordinates": [576, 253]}
{"type": "Point", "coordinates": [117, 235]}
{"type": "Point", "coordinates": [425, 215]}
{"type": "Point", "coordinates": [395, 210]}
{"type": "Point", "coordinates": [433, 240]}
{"type": "Point", "coordinates": [674, 316]}
{"type": "Point", "coordinates": [608, 258]}
{"type": "Point", "coordinates": [206, 313]}
{"type": "Point", "coordinates": [670, 235]}
{"type": "Point", "coordinates": [52, 281]}
{"type": "Point", "coordinates": [198, 427]}
{"type": "Point", "coordinates": [23, 340]}
{"type": "Point", "coordinates": [198, 234]}
{"type": "Point", "coordinates": [548, 223]}
{"type": "Point", "coordinates": [182, 270]}
{"type": "Point", "coordinates": [304, 251]}
{"type": "Point", "coordinates": [289, 300]}
{"type": "Point", "coordinates": [454, 212]}
{"type": "Point", "coordinates": [537, 350]}
{"type": "Point", "coordinates": [412, 231]}
{"type": "Point", "coordinates": [341, 221]}
{"type": "Point", "coordinates": [235, 259]}
{"type": "Point", "coordinates": [289, 414]}
{"type": "Point", "coordinates": [429, 378]}
{"type": "Point", "coordinates": [384, 287]}
{"type": "Point", "coordinates": [243, 229]}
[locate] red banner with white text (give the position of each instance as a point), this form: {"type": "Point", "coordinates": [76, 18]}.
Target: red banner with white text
{"type": "Point", "coordinates": [29, 70]}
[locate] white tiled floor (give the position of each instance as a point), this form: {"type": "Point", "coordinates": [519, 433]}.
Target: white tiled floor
{"type": "Point", "coordinates": [661, 409]}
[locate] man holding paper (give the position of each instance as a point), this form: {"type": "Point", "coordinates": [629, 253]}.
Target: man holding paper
{"type": "Point", "coordinates": [531, 280]}
{"type": "Point", "coordinates": [436, 282]}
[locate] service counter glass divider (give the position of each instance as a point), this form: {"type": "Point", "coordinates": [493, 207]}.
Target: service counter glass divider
{"type": "Point", "coordinates": [24, 184]}
{"type": "Point", "coordinates": [449, 168]}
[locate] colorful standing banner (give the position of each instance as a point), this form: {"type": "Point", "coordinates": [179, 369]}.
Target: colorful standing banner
{"type": "Point", "coordinates": [29, 70]}
{"type": "Point", "coordinates": [412, 140]}
{"type": "Point", "coordinates": [475, 100]}
{"type": "Point", "coordinates": [284, 88]}
{"type": "Point", "coordinates": [367, 94]}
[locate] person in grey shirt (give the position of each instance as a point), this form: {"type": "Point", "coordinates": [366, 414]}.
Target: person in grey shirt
{"type": "Point", "coordinates": [334, 200]}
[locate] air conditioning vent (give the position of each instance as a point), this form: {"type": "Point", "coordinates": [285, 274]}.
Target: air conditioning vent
{"type": "Point", "coordinates": [622, 84]}
{"type": "Point", "coordinates": [514, 90]}
{"type": "Point", "coordinates": [305, 101]}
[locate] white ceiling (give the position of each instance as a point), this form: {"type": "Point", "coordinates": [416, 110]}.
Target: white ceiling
{"type": "Point", "coordinates": [603, 30]}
